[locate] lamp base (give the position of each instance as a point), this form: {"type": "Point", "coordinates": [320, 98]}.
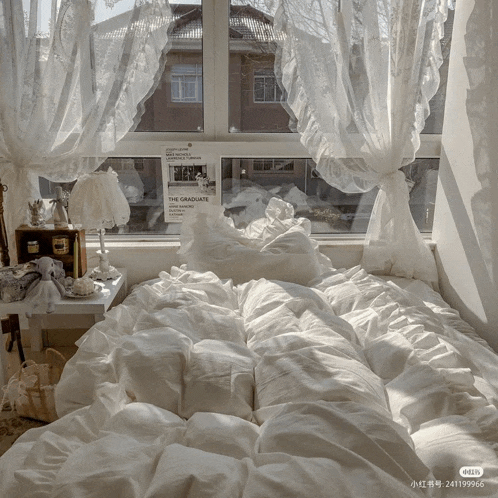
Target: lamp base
{"type": "Point", "coordinates": [104, 271]}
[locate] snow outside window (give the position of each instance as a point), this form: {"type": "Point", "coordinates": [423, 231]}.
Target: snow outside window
{"type": "Point", "coordinates": [249, 184]}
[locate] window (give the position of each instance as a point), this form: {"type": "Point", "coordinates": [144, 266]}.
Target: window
{"type": "Point", "coordinates": [186, 83]}
{"type": "Point", "coordinates": [218, 88]}
{"type": "Point", "coordinates": [266, 88]}
{"type": "Point", "coordinates": [254, 93]}
{"type": "Point", "coordinates": [249, 184]}
{"type": "Point", "coordinates": [141, 181]}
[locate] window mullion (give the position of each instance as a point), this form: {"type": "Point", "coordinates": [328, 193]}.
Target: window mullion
{"type": "Point", "coordinates": [208, 69]}
{"type": "Point", "coordinates": [221, 85]}
{"type": "Point", "coordinates": [215, 67]}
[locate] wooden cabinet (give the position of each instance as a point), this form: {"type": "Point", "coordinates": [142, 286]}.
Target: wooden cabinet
{"type": "Point", "coordinates": [44, 235]}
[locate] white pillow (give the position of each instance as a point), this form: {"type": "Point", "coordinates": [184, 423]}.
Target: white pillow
{"type": "Point", "coordinates": [277, 247]}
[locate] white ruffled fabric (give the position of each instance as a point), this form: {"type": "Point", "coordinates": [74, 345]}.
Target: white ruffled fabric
{"type": "Point", "coordinates": [276, 247]}
{"type": "Point", "coordinates": [98, 202]}
{"type": "Point", "coordinates": [359, 77]}
{"type": "Point", "coordinates": [441, 383]}
{"type": "Point", "coordinates": [267, 389]}
{"type": "Point", "coordinates": [74, 75]}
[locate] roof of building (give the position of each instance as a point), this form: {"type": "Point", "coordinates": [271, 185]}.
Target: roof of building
{"type": "Point", "coordinates": [246, 23]}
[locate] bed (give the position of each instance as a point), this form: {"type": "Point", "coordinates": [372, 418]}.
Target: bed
{"type": "Point", "coordinates": [218, 380]}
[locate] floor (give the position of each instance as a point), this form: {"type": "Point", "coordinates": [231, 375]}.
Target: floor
{"type": "Point", "coordinates": [11, 427]}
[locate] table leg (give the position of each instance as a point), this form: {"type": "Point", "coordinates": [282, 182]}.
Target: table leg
{"type": "Point", "coordinates": [10, 325]}
{"type": "Point", "coordinates": [35, 332]}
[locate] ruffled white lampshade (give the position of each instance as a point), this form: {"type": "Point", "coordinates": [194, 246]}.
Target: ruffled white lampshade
{"type": "Point", "coordinates": [96, 203]}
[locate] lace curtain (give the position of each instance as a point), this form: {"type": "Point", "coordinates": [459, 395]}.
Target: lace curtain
{"type": "Point", "coordinates": [73, 76]}
{"type": "Point", "coordinates": [359, 75]}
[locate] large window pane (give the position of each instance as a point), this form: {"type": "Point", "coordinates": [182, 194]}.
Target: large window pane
{"type": "Point", "coordinates": [252, 48]}
{"type": "Point", "coordinates": [249, 183]}
{"type": "Point", "coordinates": [255, 96]}
{"type": "Point", "coordinates": [141, 181]}
{"type": "Point", "coordinates": [177, 102]}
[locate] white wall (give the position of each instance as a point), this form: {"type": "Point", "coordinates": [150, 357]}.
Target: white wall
{"type": "Point", "coordinates": [466, 216]}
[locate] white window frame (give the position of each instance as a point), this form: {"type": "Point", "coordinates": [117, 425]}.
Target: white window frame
{"type": "Point", "coordinates": [216, 132]}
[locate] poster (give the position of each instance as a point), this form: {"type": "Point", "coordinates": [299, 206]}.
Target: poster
{"type": "Point", "coordinates": [192, 178]}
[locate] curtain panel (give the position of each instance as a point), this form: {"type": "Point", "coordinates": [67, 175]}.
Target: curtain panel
{"type": "Point", "coordinates": [73, 77]}
{"type": "Point", "coordinates": [359, 75]}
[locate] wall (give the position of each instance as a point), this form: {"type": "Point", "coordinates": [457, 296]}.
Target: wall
{"type": "Point", "coordinates": [466, 213]}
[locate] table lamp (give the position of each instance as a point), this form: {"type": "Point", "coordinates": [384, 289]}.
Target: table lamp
{"type": "Point", "coordinates": [96, 203]}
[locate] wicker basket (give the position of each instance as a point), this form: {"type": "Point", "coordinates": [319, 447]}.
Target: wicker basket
{"type": "Point", "coordinates": [36, 397]}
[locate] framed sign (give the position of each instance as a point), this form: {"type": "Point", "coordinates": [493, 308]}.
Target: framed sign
{"type": "Point", "coordinates": [192, 177]}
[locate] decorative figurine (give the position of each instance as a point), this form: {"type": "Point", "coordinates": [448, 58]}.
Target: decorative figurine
{"type": "Point", "coordinates": [59, 209]}
{"type": "Point", "coordinates": [37, 213]}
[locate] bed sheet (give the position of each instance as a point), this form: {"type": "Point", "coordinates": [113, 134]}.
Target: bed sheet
{"type": "Point", "coordinates": [350, 386]}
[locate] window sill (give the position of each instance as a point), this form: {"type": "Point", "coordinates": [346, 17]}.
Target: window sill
{"type": "Point", "coordinates": [345, 241]}
{"type": "Point", "coordinates": [145, 256]}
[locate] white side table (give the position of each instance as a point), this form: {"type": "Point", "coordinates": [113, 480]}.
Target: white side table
{"type": "Point", "coordinates": [112, 293]}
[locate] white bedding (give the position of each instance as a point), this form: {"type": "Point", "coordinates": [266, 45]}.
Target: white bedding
{"type": "Point", "coordinates": [193, 387]}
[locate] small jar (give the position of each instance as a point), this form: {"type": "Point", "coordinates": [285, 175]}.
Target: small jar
{"type": "Point", "coordinates": [60, 244]}
{"type": "Point", "coordinates": [33, 247]}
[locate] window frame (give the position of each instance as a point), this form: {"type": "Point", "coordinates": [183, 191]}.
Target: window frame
{"type": "Point", "coordinates": [215, 133]}
{"type": "Point", "coordinates": [272, 162]}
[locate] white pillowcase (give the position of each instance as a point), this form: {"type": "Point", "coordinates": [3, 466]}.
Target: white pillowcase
{"type": "Point", "coordinates": [277, 247]}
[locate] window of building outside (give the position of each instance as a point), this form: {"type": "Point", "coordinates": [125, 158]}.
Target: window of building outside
{"type": "Point", "coordinates": [186, 83]}
{"type": "Point", "coordinates": [218, 96]}
{"type": "Point", "coordinates": [273, 165]}
{"type": "Point", "coordinates": [266, 87]}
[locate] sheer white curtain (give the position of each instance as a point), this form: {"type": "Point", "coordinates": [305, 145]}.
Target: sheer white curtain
{"type": "Point", "coordinates": [359, 76]}
{"type": "Point", "coordinates": [73, 75]}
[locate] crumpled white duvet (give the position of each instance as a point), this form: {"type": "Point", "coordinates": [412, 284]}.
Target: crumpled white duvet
{"type": "Point", "coordinates": [350, 387]}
